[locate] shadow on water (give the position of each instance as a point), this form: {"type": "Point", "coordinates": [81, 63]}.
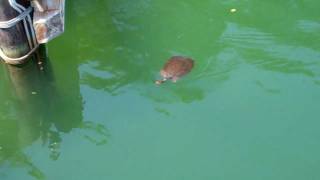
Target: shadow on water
{"type": "Point", "coordinates": [35, 110]}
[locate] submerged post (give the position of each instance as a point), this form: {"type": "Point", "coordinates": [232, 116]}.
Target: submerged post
{"type": "Point", "coordinates": [13, 40]}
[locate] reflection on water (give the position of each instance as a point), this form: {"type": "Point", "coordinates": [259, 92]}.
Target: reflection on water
{"type": "Point", "coordinates": [36, 111]}
{"type": "Point", "coordinates": [269, 90]}
{"type": "Point", "coordinates": [309, 26]}
{"type": "Point", "coordinates": [98, 129]}
{"type": "Point", "coordinates": [29, 114]}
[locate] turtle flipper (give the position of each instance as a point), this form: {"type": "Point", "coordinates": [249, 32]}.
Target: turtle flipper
{"type": "Point", "coordinates": [174, 79]}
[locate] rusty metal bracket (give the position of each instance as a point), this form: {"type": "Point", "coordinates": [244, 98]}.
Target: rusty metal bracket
{"type": "Point", "coordinates": [48, 19]}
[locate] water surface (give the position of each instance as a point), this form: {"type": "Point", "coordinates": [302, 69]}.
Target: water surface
{"type": "Point", "coordinates": [247, 111]}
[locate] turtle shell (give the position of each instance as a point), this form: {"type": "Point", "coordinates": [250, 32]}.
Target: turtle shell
{"type": "Point", "coordinates": [176, 67]}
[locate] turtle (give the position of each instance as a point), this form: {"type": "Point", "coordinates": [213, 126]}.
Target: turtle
{"type": "Point", "coordinates": [175, 68]}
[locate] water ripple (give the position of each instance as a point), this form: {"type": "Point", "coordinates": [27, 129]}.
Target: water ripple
{"type": "Point", "coordinates": [274, 54]}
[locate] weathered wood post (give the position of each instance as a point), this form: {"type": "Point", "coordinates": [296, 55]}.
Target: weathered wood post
{"type": "Point", "coordinates": [13, 40]}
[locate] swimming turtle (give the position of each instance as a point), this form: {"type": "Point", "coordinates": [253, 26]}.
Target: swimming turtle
{"type": "Point", "coordinates": [175, 67]}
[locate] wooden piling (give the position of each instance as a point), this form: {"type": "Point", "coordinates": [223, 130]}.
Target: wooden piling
{"type": "Point", "coordinates": [13, 41]}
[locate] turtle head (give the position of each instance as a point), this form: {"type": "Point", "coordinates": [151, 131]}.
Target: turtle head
{"type": "Point", "coordinates": [158, 82]}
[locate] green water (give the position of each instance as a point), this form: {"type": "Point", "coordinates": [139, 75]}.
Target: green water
{"type": "Point", "coordinates": [249, 110]}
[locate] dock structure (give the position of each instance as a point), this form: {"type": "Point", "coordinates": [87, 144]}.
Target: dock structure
{"type": "Point", "coordinates": [13, 38]}
{"type": "Point", "coordinates": [24, 24]}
